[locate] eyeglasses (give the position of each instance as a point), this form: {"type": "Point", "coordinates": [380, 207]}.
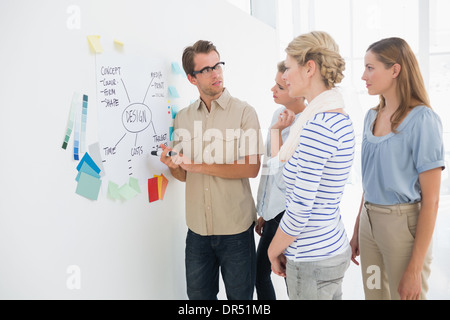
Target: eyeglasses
{"type": "Point", "coordinates": [207, 71]}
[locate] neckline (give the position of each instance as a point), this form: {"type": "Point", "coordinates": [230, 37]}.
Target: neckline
{"type": "Point", "coordinates": [375, 139]}
{"type": "Point", "coordinates": [345, 115]}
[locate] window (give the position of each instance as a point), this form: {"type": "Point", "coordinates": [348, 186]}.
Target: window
{"type": "Point", "coordinates": [425, 25]}
{"type": "Point", "coordinates": [244, 5]}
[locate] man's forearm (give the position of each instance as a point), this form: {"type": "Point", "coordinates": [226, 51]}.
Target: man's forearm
{"type": "Point", "coordinates": [246, 168]}
{"type": "Point", "coordinates": [178, 173]}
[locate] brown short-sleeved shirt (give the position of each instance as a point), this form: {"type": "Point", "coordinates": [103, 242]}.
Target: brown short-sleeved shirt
{"type": "Point", "coordinates": [231, 131]}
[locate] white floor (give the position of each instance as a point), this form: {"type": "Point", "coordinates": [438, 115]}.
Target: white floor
{"type": "Point", "coordinates": [440, 269]}
{"type": "Point", "coordinates": [352, 287]}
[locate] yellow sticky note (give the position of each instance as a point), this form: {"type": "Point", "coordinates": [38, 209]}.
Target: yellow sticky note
{"type": "Point", "coordinates": [159, 184]}
{"type": "Point", "coordinates": [119, 43]}
{"type": "Point", "coordinates": [94, 42]}
{"type": "Point", "coordinates": [162, 185]}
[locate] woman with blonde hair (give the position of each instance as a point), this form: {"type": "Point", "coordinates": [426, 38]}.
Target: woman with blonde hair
{"type": "Point", "coordinates": [402, 159]}
{"type": "Point", "coordinates": [310, 247]}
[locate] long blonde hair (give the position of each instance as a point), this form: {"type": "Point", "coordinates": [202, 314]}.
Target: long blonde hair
{"type": "Point", "coordinates": [411, 86]}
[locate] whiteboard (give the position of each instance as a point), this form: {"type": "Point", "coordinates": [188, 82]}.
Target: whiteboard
{"type": "Point", "coordinates": [134, 114]}
{"type": "Point", "coordinates": [49, 235]}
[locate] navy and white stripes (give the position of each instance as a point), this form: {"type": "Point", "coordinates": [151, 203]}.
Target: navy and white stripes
{"type": "Point", "coordinates": [315, 178]}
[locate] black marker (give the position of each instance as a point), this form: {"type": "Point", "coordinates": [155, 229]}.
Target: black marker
{"type": "Point", "coordinates": [159, 152]}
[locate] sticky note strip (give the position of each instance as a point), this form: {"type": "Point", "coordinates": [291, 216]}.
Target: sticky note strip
{"type": "Point", "coordinates": [94, 42]}
{"type": "Point", "coordinates": [76, 100]}
{"type": "Point", "coordinates": [94, 152]}
{"type": "Point", "coordinates": [153, 189]}
{"type": "Point", "coordinates": [83, 123]}
{"type": "Point", "coordinates": [78, 124]}
{"type": "Point", "coordinates": [88, 186]}
{"type": "Point", "coordinates": [173, 92]}
{"type": "Point", "coordinates": [76, 142]}
{"type": "Point", "coordinates": [87, 159]}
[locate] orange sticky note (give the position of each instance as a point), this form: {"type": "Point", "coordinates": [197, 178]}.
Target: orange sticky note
{"type": "Point", "coordinates": [162, 187]}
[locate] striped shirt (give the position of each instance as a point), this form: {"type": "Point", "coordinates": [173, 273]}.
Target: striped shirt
{"type": "Point", "coordinates": [315, 178]}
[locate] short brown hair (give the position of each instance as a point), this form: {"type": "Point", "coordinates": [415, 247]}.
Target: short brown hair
{"type": "Point", "coordinates": [201, 46]}
{"type": "Point", "coordinates": [281, 67]}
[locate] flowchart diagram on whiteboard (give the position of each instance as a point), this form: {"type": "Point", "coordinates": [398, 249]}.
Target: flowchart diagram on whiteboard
{"type": "Point", "coordinates": [133, 115]}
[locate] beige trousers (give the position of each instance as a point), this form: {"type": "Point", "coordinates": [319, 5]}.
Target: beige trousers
{"type": "Point", "coordinates": [386, 239]}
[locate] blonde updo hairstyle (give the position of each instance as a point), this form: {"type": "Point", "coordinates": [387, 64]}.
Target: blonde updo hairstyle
{"type": "Point", "coordinates": [320, 47]}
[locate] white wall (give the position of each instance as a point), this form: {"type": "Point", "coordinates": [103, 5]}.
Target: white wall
{"type": "Point", "coordinates": [124, 250]}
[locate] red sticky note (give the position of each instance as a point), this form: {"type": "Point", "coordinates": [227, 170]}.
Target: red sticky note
{"type": "Point", "coordinates": [153, 189]}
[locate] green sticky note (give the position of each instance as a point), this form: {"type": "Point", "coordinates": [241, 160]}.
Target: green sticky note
{"type": "Point", "coordinates": [127, 192]}
{"type": "Point", "coordinates": [113, 190]}
{"type": "Point", "coordinates": [88, 186]}
{"type": "Point", "coordinates": [134, 183]}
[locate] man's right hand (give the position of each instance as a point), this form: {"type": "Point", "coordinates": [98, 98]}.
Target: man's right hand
{"type": "Point", "coordinates": [173, 162]}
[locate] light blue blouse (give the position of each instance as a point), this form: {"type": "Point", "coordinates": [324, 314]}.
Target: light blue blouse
{"type": "Point", "coordinates": [271, 198]}
{"type": "Point", "coordinates": [391, 164]}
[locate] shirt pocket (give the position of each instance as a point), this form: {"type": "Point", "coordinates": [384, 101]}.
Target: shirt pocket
{"type": "Point", "coordinates": [221, 147]}
{"type": "Point", "coordinates": [189, 145]}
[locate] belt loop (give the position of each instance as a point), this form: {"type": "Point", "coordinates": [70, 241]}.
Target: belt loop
{"type": "Point", "coordinates": [366, 205]}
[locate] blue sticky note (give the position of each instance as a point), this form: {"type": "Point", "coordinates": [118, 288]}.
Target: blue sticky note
{"type": "Point", "coordinates": [173, 92]}
{"type": "Point", "coordinates": [176, 68]}
{"type": "Point", "coordinates": [87, 159]}
{"type": "Point", "coordinates": [88, 186]}
{"type": "Point", "coordinates": [88, 170]}
{"type": "Point", "coordinates": [174, 111]}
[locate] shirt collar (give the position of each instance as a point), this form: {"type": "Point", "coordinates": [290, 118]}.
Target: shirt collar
{"type": "Point", "coordinates": [222, 101]}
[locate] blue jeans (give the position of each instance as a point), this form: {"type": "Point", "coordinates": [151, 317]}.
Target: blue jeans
{"type": "Point", "coordinates": [264, 286]}
{"type": "Point", "coordinates": [233, 254]}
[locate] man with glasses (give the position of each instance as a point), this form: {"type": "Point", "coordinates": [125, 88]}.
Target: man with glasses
{"type": "Point", "coordinates": [218, 144]}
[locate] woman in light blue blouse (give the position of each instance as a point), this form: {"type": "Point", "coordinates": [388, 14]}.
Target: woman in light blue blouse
{"type": "Point", "coordinates": [402, 159]}
{"type": "Point", "coordinates": [271, 191]}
